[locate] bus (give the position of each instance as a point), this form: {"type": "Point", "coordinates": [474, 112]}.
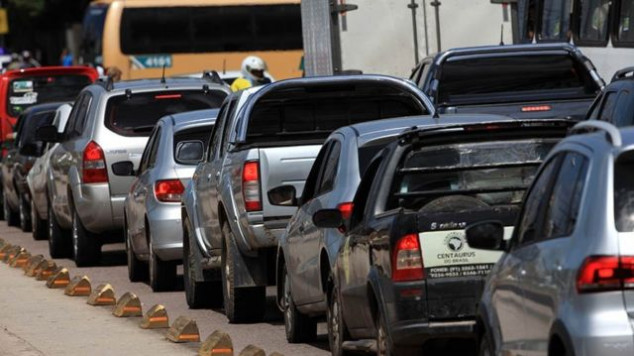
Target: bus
{"type": "Point", "coordinates": [149, 38]}
{"type": "Point", "coordinates": [601, 29]}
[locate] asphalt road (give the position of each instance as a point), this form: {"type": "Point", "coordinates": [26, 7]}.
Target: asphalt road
{"type": "Point", "coordinates": [269, 335]}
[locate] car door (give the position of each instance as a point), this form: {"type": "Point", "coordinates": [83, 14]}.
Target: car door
{"type": "Point", "coordinates": [545, 280]}
{"type": "Point", "coordinates": [507, 295]}
{"type": "Point", "coordinates": [304, 245]}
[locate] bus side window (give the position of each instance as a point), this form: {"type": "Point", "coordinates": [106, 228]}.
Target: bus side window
{"type": "Point", "coordinates": [554, 24]}
{"type": "Point", "coordinates": [624, 35]}
{"type": "Point", "coordinates": [591, 22]}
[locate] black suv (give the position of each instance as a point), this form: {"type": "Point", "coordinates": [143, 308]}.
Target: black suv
{"type": "Point", "coordinates": [615, 104]}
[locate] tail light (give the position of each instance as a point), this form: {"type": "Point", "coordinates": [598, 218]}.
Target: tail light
{"type": "Point", "coordinates": [251, 186]}
{"type": "Point", "coordinates": [605, 273]}
{"type": "Point", "coordinates": [407, 260]}
{"type": "Point", "coordinates": [94, 164]}
{"type": "Point", "coordinates": [168, 190]}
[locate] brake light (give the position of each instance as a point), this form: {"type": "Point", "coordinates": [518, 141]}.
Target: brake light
{"type": "Point", "coordinates": [251, 186]}
{"type": "Point", "coordinates": [345, 209]}
{"type": "Point", "coordinates": [168, 190]}
{"type": "Point", "coordinates": [168, 96]}
{"type": "Point", "coordinates": [605, 273]}
{"type": "Point", "coordinates": [536, 108]}
{"type": "Point", "coordinates": [94, 164]}
{"type": "Point", "coordinates": [407, 260]}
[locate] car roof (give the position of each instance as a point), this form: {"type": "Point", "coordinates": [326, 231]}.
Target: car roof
{"type": "Point", "coordinates": [370, 131]}
{"type": "Point", "coordinates": [166, 83]}
{"type": "Point", "coordinates": [503, 49]}
{"type": "Point", "coordinates": [191, 119]}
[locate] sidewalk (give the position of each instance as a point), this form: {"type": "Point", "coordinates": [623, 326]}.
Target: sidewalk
{"type": "Point", "coordinates": [35, 321]}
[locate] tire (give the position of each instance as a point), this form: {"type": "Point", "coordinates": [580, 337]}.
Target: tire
{"type": "Point", "coordinates": [137, 269]}
{"type": "Point", "coordinates": [337, 332]}
{"type": "Point", "coordinates": [39, 226]}
{"type": "Point", "coordinates": [86, 246]}
{"type": "Point", "coordinates": [384, 346]}
{"type": "Point", "coordinates": [199, 294]}
{"type": "Point", "coordinates": [242, 305]}
{"type": "Point", "coordinates": [10, 216]}
{"type": "Point", "coordinates": [25, 215]}
{"type": "Point", "coordinates": [299, 327]}
{"type": "Point", "coordinates": [162, 273]}
{"type": "Point", "coordinates": [485, 345]}
{"type": "Point", "coordinates": [59, 241]}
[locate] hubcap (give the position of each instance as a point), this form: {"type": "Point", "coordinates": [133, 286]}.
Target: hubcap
{"type": "Point", "coordinates": [75, 237]}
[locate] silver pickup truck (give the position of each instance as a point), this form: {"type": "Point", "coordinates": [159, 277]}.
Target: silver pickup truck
{"type": "Point", "coordinates": [266, 137]}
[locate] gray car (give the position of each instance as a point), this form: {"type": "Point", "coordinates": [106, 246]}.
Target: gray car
{"type": "Point", "coordinates": [152, 212]}
{"type": "Point", "coordinates": [109, 123]}
{"type": "Point", "coordinates": [37, 177]}
{"type": "Point", "coordinates": [564, 283]}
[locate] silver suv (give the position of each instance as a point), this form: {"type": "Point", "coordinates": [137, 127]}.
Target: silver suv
{"type": "Point", "coordinates": [564, 283]}
{"type": "Point", "coordinates": [109, 123]}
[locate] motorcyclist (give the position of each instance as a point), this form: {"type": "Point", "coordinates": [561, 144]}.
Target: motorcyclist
{"type": "Point", "coordinates": [252, 74]}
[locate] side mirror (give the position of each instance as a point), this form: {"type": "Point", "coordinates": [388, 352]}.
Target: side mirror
{"type": "Point", "coordinates": [190, 152]}
{"type": "Point", "coordinates": [284, 195]}
{"type": "Point", "coordinates": [328, 218]}
{"type": "Point", "coordinates": [486, 235]}
{"type": "Point", "coordinates": [48, 133]}
{"type": "Point", "coordinates": [123, 168]}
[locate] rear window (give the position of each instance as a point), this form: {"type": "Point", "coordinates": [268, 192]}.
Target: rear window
{"type": "Point", "coordinates": [201, 134]}
{"type": "Point", "coordinates": [478, 80]}
{"type": "Point", "coordinates": [303, 116]}
{"type": "Point", "coordinates": [624, 192]}
{"type": "Point", "coordinates": [137, 114]}
{"type": "Point", "coordinates": [462, 177]}
{"type": "Point", "coordinates": [27, 91]}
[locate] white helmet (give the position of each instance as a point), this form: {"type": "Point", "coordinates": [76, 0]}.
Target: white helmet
{"type": "Point", "coordinates": [253, 68]}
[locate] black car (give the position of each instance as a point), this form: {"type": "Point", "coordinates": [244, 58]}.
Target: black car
{"type": "Point", "coordinates": [615, 104]}
{"type": "Point", "coordinates": [25, 149]}
{"type": "Point", "coordinates": [405, 274]}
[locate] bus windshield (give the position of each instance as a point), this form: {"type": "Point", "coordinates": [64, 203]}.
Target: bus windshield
{"type": "Point", "coordinates": [211, 29]}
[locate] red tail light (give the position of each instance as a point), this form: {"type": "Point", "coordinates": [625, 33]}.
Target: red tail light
{"type": "Point", "coordinates": [251, 186]}
{"type": "Point", "coordinates": [168, 190]}
{"type": "Point", "coordinates": [94, 164]}
{"type": "Point", "coordinates": [407, 260]}
{"type": "Point", "coordinates": [345, 209]}
{"type": "Point", "coordinates": [605, 273]}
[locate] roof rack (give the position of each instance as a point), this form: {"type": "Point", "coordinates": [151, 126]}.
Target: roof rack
{"type": "Point", "coordinates": [623, 73]}
{"type": "Point", "coordinates": [213, 77]}
{"type": "Point", "coordinates": [611, 130]}
{"type": "Point", "coordinates": [107, 83]}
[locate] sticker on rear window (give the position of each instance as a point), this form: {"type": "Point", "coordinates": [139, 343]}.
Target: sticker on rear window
{"type": "Point", "coordinates": [446, 254]}
{"type": "Point", "coordinates": [22, 86]}
{"type": "Point", "coordinates": [26, 99]}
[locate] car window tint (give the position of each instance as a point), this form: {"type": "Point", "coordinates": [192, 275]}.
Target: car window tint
{"type": "Point", "coordinates": [72, 117]}
{"type": "Point", "coordinates": [327, 181]}
{"type": "Point", "coordinates": [608, 106]}
{"type": "Point", "coordinates": [82, 115]}
{"type": "Point", "coordinates": [311, 182]}
{"type": "Point", "coordinates": [534, 204]}
{"type": "Point", "coordinates": [28, 132]}
{"type": "Point", "coordinates": [564, 201]}
{"type": "Point", "coordinates": [227, 127]}
{"type": "Point", "coordinates": [623, 115]}
{"type": "Point", "coordinates": [624, 192]}
{"type": "Point", "coordinates": [363, 192]}
{"type": "Point", "coordinates": [146, 152]}
{"type": "Point", "coordinates": [216, 132]}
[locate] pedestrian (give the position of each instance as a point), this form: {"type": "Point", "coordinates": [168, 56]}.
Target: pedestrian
{"type": "Point", "coordinates": [66, 58]}
{"type": "Point", "coordinates": [252, 74]}
{"type": "Point", "coordinates": [28, 61]}
{"type": "Point", "coordinates": [16, 62]}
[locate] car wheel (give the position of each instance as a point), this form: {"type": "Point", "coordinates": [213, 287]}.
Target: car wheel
{"type": "Point", "coordinates": [162, 273]}
{"type": "Point", "coordinates": [199, 294]}
{"type": "Point", "coordinates": [25, 215]}
{"type": "Point", "coordinates": [59, 240]}
{"type": "Point", "coordinates": [137, 269]}
{"type": "Point", "coordinates": [10, 216]}
{"type": "Point", "coordinates": [39, 226]}
{"type": "Point", "coordinates": [86, 246]}
{"type": "Point", "coordinates": [246, 304]}
{"type": "Point", "coordinates": [383, 345]}
{"type": "Point", "coordinates": [486, 347]}
{"type": "Point", "coordinates": [337, 333]}
{"type": "Point", "coordinates": [298, 327]}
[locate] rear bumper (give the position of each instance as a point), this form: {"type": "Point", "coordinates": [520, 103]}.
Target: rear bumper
{"type": "Point", "coordinates": [92, 203]}
{"type": "Point", "coordinates": [166, 231]}
{"type": "Point", "coordinates": [417, 333]}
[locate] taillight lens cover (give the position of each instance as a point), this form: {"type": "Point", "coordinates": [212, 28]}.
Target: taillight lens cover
{"type": "Point", "coordinates": [407, 260]}
{"type": "Point", "coordinates": [251, 186]}
{"type": "Point", "coordinates": [94, 164]}
{"type": "Point", "coordinates": [605, 273]}
{"type": "Point", "coordinates": [169, 190]}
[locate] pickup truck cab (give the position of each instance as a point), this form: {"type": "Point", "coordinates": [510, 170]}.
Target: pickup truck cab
{"type": "Point", "coordinates": [404, 274]}
{"type": "Point", "coordinates": [528, 81]}
{"type": "Point", "coordinates": [266, 137]}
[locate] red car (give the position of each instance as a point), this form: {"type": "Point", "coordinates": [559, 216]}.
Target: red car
{"type": "Point", "coordinates": [22, 88]}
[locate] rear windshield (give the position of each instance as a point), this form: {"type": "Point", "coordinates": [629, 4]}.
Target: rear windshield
{"type": "Point", "coordinates": [137, 114]}
{"type": "Point", "coordinates": [624, 192]}
{"type": "Point", "coordinates": [464, 177]}
{"type": "Point", "coordinates": [28, 91]}
{"type": "Point", "coordinates": [474, 80]}
{"type": "Point", "coordinates": [200, 134]}
{"type": "Point", "coordinates": [29, 127]}
{"type": "Point", "coordinates": [287, 119]}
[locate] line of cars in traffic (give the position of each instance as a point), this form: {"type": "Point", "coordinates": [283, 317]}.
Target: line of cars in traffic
{"type": "Point", "coordinates": [352, 194]}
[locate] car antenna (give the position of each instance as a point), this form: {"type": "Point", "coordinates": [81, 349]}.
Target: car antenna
{"type": "Point", "coordinates": [163, 75]}
{"type": "Point", "coordinates": [502, 35]}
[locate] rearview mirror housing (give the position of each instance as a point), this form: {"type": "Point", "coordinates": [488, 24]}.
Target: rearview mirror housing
{"type": "Point", "coordinates": [486, 235]}
{"type": "Point", "coordinates": [328, 218]}
{"type": "Point", "coordinates": [190, 152]}
{"type": "Point", "coordinates": [284, 195]}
